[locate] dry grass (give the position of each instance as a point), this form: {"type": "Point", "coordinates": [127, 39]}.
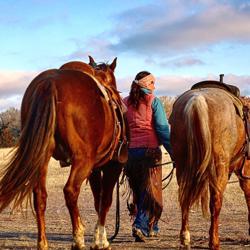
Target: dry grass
{"type": "Point", "coordinates": [20, 232]}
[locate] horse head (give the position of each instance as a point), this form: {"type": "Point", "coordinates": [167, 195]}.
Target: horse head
{"type": "Point", "coordinates": [104, 72]}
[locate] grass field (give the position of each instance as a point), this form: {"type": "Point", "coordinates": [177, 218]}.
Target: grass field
{"type": "Point", "coordinates": [18, 231]}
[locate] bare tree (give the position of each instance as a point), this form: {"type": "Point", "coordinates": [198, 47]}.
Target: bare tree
{"type": "Point", "coordinates": [168, 102]}
{"type": "Point", "coordinates": [9, 127]}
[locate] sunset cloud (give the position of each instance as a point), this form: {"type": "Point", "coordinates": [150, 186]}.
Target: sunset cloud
{"type": "Point", "coordinates": [174, 85]}
{"type": "Point", "coordinates": [12, 87]}
{"type": "Point", "coordinates": [155, 29]}
{"type": "Point", "coordinates": [181, 42]}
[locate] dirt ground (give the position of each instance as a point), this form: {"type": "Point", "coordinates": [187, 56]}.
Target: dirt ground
{"type": "Point", "coordinates": [18, 231]}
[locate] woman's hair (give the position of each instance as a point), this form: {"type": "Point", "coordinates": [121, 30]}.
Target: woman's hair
{"type": "Point", "coordinates": [136, 94]}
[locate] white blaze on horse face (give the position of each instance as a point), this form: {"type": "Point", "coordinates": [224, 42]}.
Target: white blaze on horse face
{"type": "Point", "coordinates": [100, 237]}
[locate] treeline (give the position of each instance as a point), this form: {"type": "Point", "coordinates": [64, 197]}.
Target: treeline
{"type": "Point", "coordinates": [10, 123]}
{"type": "Point", "coordinates": [9, 127]}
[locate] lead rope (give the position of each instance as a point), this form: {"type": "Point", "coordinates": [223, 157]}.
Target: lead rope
{"type": "Point", "coordinates": [169, 176]}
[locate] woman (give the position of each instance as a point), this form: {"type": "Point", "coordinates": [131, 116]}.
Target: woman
{"type": "Point", "coordinates": [149, 129]}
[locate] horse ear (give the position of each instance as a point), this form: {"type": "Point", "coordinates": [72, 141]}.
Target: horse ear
{"type": "Point", "coordinates": [91, 61]}
{"type": "Point", "coordinates": [113, 64]}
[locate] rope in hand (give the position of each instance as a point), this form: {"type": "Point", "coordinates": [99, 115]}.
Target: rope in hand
{"type": "Point", "coordinates": [169, 176]}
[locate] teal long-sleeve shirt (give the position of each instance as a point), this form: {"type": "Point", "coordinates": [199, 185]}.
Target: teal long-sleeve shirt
{"type": "Point", "coordinates": [161, 123]}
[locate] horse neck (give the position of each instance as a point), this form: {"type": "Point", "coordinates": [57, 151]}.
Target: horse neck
{"type": "Point", "coordinates": [107, 79]}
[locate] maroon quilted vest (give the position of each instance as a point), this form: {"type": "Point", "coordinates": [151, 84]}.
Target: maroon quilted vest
{"type": "Point", "coordinates": [141, 127]}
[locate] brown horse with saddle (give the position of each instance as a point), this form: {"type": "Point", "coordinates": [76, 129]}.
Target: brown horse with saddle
{"type": "Point", "coordinates": [210, 139]}
{"type": "Point", "coordinates": [75, 115]}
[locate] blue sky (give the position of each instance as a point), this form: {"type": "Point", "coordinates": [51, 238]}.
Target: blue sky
{"type": "Point", "coordinates": [181, 42]}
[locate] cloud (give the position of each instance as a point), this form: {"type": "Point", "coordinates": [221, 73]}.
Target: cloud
{"type": "Point", "coordinates": [10, 102]}
{"type": "Point", "coordinates": [177, 62]}
{"type": "Point", "coordinates": [12, 87]}
{"type": "Point", "coordinates": [95, 46]}
{"type": "Point", "coordinates": [175, 34]}
{"type": "Point", "coordinates": [175, 27]}
{"type": "Point", "coordinates": [14, 83]}
{"type": "Point", "coordinates": [174, 85]}
{"type": "Point", "coordinates": [243, 82]}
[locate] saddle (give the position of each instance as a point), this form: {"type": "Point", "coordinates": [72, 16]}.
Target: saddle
{"type": "Point", "coordinates": [215, 84]}
{"type": "Point", "coordinates": [119, 146]}
{"type": "Point", "coordinates": [232, 91]}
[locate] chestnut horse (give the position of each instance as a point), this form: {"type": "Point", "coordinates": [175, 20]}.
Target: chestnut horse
{"type": "Point", "coordinates": [65, 114]}
{"type": "Point", "coordinates": [208, 137]}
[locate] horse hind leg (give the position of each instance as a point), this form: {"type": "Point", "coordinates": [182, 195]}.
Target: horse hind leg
{"type": "Point", "coordinates": [216, 198]}
{"type": "Point", "coordinates": [245, 186]}
{"type": "Point", "coordinates": [184, 233]}
{"type": "Point", "coordinates": [39, 200]}
{"type": "Point", "coordinates": [102, 185]}
{"type": "Point", "coordinates": [79, 171]}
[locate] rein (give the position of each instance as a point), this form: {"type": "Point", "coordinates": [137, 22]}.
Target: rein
{"type": "Point", "coordinates": [162, 164]}
{"type": "Point", "coordinates": [170, 176]}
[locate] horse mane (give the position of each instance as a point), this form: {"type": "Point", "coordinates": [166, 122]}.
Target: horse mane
{"type": "Point", "coordinates": [101, 66]}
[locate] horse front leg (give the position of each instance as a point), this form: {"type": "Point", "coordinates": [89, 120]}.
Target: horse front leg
{"type": "Point", "coordinates": [245, 186]}
{"type": "Point", "coordinates": [79, 172]}
{"type": "Point", "coordinates": [184, 233]}
{"type": "Point", "coordinates": [39, 201]}
{"type": "Point", "coordinates": [102, 185]}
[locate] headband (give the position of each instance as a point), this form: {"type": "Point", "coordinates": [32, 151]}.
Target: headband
{"type": "Point", "coordinates": [146, 82]}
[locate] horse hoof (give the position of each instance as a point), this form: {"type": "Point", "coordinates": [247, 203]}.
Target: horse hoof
{"type": "Point", "coordinates": [75, 247]}
{"type": "Point", "coordinates": [97, 248]}
{"type": "Point", "coordinates": [185, 247]}
{"type": "Point", "coordinates": [138, 235]}
{"type": "Point", "coordinates": [42, 246]}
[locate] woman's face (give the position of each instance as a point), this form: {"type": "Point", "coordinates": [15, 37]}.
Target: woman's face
{"type": "Point", "coordinates": [151, 85]}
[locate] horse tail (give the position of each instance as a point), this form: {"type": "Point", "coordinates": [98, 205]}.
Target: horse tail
{"type": "Point", "coordinates": [197, 171]}
{"type": "Point", "coordinates": [34, 147]}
